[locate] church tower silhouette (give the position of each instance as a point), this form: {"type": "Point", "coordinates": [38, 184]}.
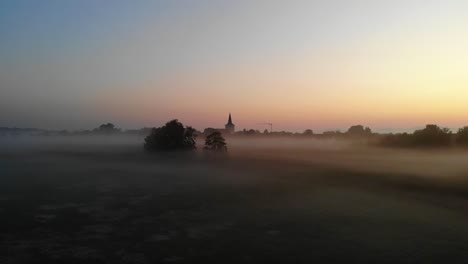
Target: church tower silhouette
{"type": "Point", "coordinates": [230, 127]}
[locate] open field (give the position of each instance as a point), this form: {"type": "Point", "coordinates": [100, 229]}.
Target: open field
{"type": "Point", "coordinates": [76, 200]}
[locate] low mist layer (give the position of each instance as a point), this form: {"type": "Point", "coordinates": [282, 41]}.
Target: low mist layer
{"type": "Point", "coordinates": [105, 200]}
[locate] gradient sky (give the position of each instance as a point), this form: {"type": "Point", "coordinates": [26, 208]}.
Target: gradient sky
{"type": "Point", "coordinates": [298, 64]}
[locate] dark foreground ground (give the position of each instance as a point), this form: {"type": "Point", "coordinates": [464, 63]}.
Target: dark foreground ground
{"type": "Point", "coordinates": [114, 204]}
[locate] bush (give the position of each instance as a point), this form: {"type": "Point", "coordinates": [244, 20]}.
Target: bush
{"type": "Point", "coordinates": [215, 142]}
{"type": "Point", "coordinates": [170, 137]}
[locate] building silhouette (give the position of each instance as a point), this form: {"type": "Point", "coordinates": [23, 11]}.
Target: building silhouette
{"type": "Point", "coordinates": [230, 127]}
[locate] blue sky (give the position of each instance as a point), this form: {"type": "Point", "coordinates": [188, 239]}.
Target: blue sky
{"type": "Point", "coordinates": [298, 64]}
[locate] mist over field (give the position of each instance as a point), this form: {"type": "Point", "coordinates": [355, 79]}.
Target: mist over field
{"type": "Point", "coordinates": [102, 199]}
{"type": "Point", "coordinates": [357, 156]}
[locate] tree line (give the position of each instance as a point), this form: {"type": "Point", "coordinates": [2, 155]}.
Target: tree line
{"type": "Point", "coordinates": [430, 136]}
{"type": "Point", "coordinates": [175, 136]}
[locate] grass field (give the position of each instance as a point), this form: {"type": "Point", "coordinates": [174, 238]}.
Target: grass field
{"type": "Point", "coordinates": [77, 200]}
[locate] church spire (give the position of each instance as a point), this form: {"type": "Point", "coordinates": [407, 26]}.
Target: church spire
{"type": "Point", "coordinates": [230, 127]}
{"type": "Point", "coordinates": [229, 120]}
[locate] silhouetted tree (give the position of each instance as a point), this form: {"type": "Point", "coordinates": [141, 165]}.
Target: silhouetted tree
{"type": "Point", "coordinates": [432, 136]}
{"type": "Point", "coordinates": [308, 132]}
{"type": "Point", "coordinates": [209, 130]}
{"type": "Point", "coordinates": [251, 132]}
{"type": "Point", "coordinates": [397, 140]}
{"type": "Point", "coordinates": [189, 138]}
{"type": "Point", "coordinates": [266, 132]}
{"type": "Point", "coordinates": [215, 142]}
{"type": "Point", "coordinates": [332, 134]}
{"type": "Point", "coordinates": [359, 130]}
{"type": "Point", "coordinates": [108, 128]}
{"type": "Point", "coordinates": [172, 136]}
{"type": "Point", "coordinates": [462, 136]}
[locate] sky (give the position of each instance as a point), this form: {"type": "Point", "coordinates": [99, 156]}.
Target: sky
{"type": "Point", "coordinates": [324, 65]}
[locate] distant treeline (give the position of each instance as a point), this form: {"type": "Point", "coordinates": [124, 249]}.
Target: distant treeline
{"type": "Point", "coordinates": [431, 136]}
{"type": "Point", "coordinates": [357, 131]}
{"type": "Point", "coordinates": [104, 129]}
{"type": "Point", "coordinates": [111, 129]}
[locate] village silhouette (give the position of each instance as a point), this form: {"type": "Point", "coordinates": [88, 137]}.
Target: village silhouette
{"type": "Point", "coordinates": [180, 137]}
